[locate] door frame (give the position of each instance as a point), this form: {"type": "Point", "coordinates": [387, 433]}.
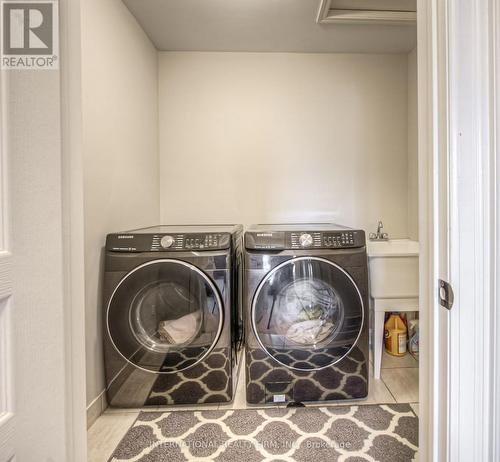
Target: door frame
{"type": "Point", "coordinates": [7, 366]}
{"type": "Point", "coordinates": [495, 426]}
{"type": "Point", "coordinates": [434, 137]}
{"type": "Point", "coordinates": [73, 229]}
{"type": "Point", "coordinates": [472, 229]}
{"type": "Point", "coordinates": [459, 134]}
{"type": "Point", "coordinates": [432, 43]}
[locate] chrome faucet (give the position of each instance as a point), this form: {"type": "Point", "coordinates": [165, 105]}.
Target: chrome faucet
{"type": "Point", "coordinates": [379, 236]}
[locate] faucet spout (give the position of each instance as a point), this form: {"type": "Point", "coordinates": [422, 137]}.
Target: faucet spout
{"type": "Point", "coordinates": [379, 235]}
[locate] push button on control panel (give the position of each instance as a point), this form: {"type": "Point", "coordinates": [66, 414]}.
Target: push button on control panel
{"type": "Point", "coordinates": [342, 239]}
{"type": "Point", "coordinates": [206, 241]}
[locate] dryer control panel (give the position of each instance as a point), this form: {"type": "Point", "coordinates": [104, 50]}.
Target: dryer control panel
{"type": "Point", "coordinates": [304, 239]}
{"type": "Point", "coordinates": [159, 242]}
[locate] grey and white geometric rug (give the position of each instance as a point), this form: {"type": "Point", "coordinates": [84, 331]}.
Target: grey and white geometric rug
{"type": "Point", "coordinates": [387, 432]}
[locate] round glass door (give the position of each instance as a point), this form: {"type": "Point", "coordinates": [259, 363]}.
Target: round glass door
{"type": "Point", "coordinates": [165, 316]}
{"type": "Point", "coordinates": [307, 313]}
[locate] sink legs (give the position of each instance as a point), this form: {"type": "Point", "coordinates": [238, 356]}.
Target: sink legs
{"type": "Point", "coordinates": [378, 337]}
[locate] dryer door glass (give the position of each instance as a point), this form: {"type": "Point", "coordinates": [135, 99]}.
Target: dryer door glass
{"type": "Point", "coordinates": [165, 316]}
{"type": "Point", "coordinates": [307, 313]}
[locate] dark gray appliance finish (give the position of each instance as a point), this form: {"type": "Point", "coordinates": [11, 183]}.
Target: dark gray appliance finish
{"type": "Point", "coordinates": [172, 311]}
{"type": "Point", "coordinates": [306, 313]}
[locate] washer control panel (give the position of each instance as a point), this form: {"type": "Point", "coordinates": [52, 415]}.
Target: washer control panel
{"type": "Point", "coordinates": [321, 240]}
{"type": "Point", "coordinates": [304, 239]}
{"type": "Point", "coordinates": [167, 242]}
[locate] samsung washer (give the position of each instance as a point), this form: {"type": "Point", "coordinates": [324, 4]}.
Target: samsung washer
{"type": "Point", "coordinates": [171, 314]}
{"type": "Point", "coordinates": [306, 313]}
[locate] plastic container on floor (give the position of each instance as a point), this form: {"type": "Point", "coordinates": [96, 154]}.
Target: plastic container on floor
{"type": "Point", "coordinates": [413, 333]}
{"type": "Point", "coordinates": [395, 335]}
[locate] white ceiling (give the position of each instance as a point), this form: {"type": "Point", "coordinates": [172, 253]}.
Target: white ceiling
{"type": "Point", "coordinates": [261, 25]}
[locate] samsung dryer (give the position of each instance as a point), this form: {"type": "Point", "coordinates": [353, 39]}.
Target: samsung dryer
{"type": "Point", "coordinates": [306, 313]}
{"type": "Point", "coordinates": [170, 302]}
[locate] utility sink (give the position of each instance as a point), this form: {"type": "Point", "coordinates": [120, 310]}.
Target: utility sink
{"type": "Point", "coordinates": [393, 268]}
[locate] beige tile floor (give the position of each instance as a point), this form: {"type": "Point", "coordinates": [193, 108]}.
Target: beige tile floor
{"type": "Point", "coordinates": [398, 384]}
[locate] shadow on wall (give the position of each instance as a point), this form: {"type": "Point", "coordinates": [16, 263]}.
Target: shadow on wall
{"type": "Point", "coordinates": [100, 325]}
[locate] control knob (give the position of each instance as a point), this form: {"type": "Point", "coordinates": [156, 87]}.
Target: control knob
{"type": "Point", "coordinates": [306, 240]}
{"type": "Point", "coordinates": [167, 242]}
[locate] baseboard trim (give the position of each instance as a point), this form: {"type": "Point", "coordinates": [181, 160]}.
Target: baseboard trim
{"type": "Point", "coordinates": [96, 408]}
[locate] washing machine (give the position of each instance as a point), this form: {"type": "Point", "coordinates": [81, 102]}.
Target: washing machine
{"type": "Point", "coordinates": [171, 316]}
{"type": "Point", "coordinates": [305, 301]}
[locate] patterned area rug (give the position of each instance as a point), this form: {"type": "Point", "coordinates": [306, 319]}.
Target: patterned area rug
{"type": "Point", "coordinates": [266, 378]}
{"type": "Point", "coordinates": [344, 433]}
{"type": "Point", "coordinates": [207, 382]}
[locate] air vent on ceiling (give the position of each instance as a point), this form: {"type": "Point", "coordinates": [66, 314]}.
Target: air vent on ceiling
{"type": "Point", "coordinates": [368, 11]}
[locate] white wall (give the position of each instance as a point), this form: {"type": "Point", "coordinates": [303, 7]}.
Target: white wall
{"type": "Point", "coordinates": [412, 146]}
{"type": "Point", "coordinates": [256, 137]}
{"type": "Point", "coordinates": [120, 139]}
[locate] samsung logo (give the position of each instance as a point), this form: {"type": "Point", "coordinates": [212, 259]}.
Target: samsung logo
{"type": "Point", "coordinates": [125, 236]}
{"type": "Point", "coordinates": [264, 234]}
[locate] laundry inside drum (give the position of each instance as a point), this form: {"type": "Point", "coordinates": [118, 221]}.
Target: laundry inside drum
{"type": "Point", "coordinates": [165, 315]}
{"type": "Point", "coordinates": [308, 312]}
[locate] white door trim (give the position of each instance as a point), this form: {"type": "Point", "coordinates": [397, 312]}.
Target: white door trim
{"type": "Point", "coordinates": [495, 420]}
{"type": "Point", "coordinates": [472, 158]}
{"type": "Point", "coordinates": [7, 366]}
{"type": "Point", "coordinates": [432, 26]}
{"type": "Point", "coordinates": [459, 197]}
{"type": "Point", "coordinates": [73, 226]}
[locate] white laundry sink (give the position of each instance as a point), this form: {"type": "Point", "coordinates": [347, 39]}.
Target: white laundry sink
{"type": "Point", "coordinates": [393, 268]}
